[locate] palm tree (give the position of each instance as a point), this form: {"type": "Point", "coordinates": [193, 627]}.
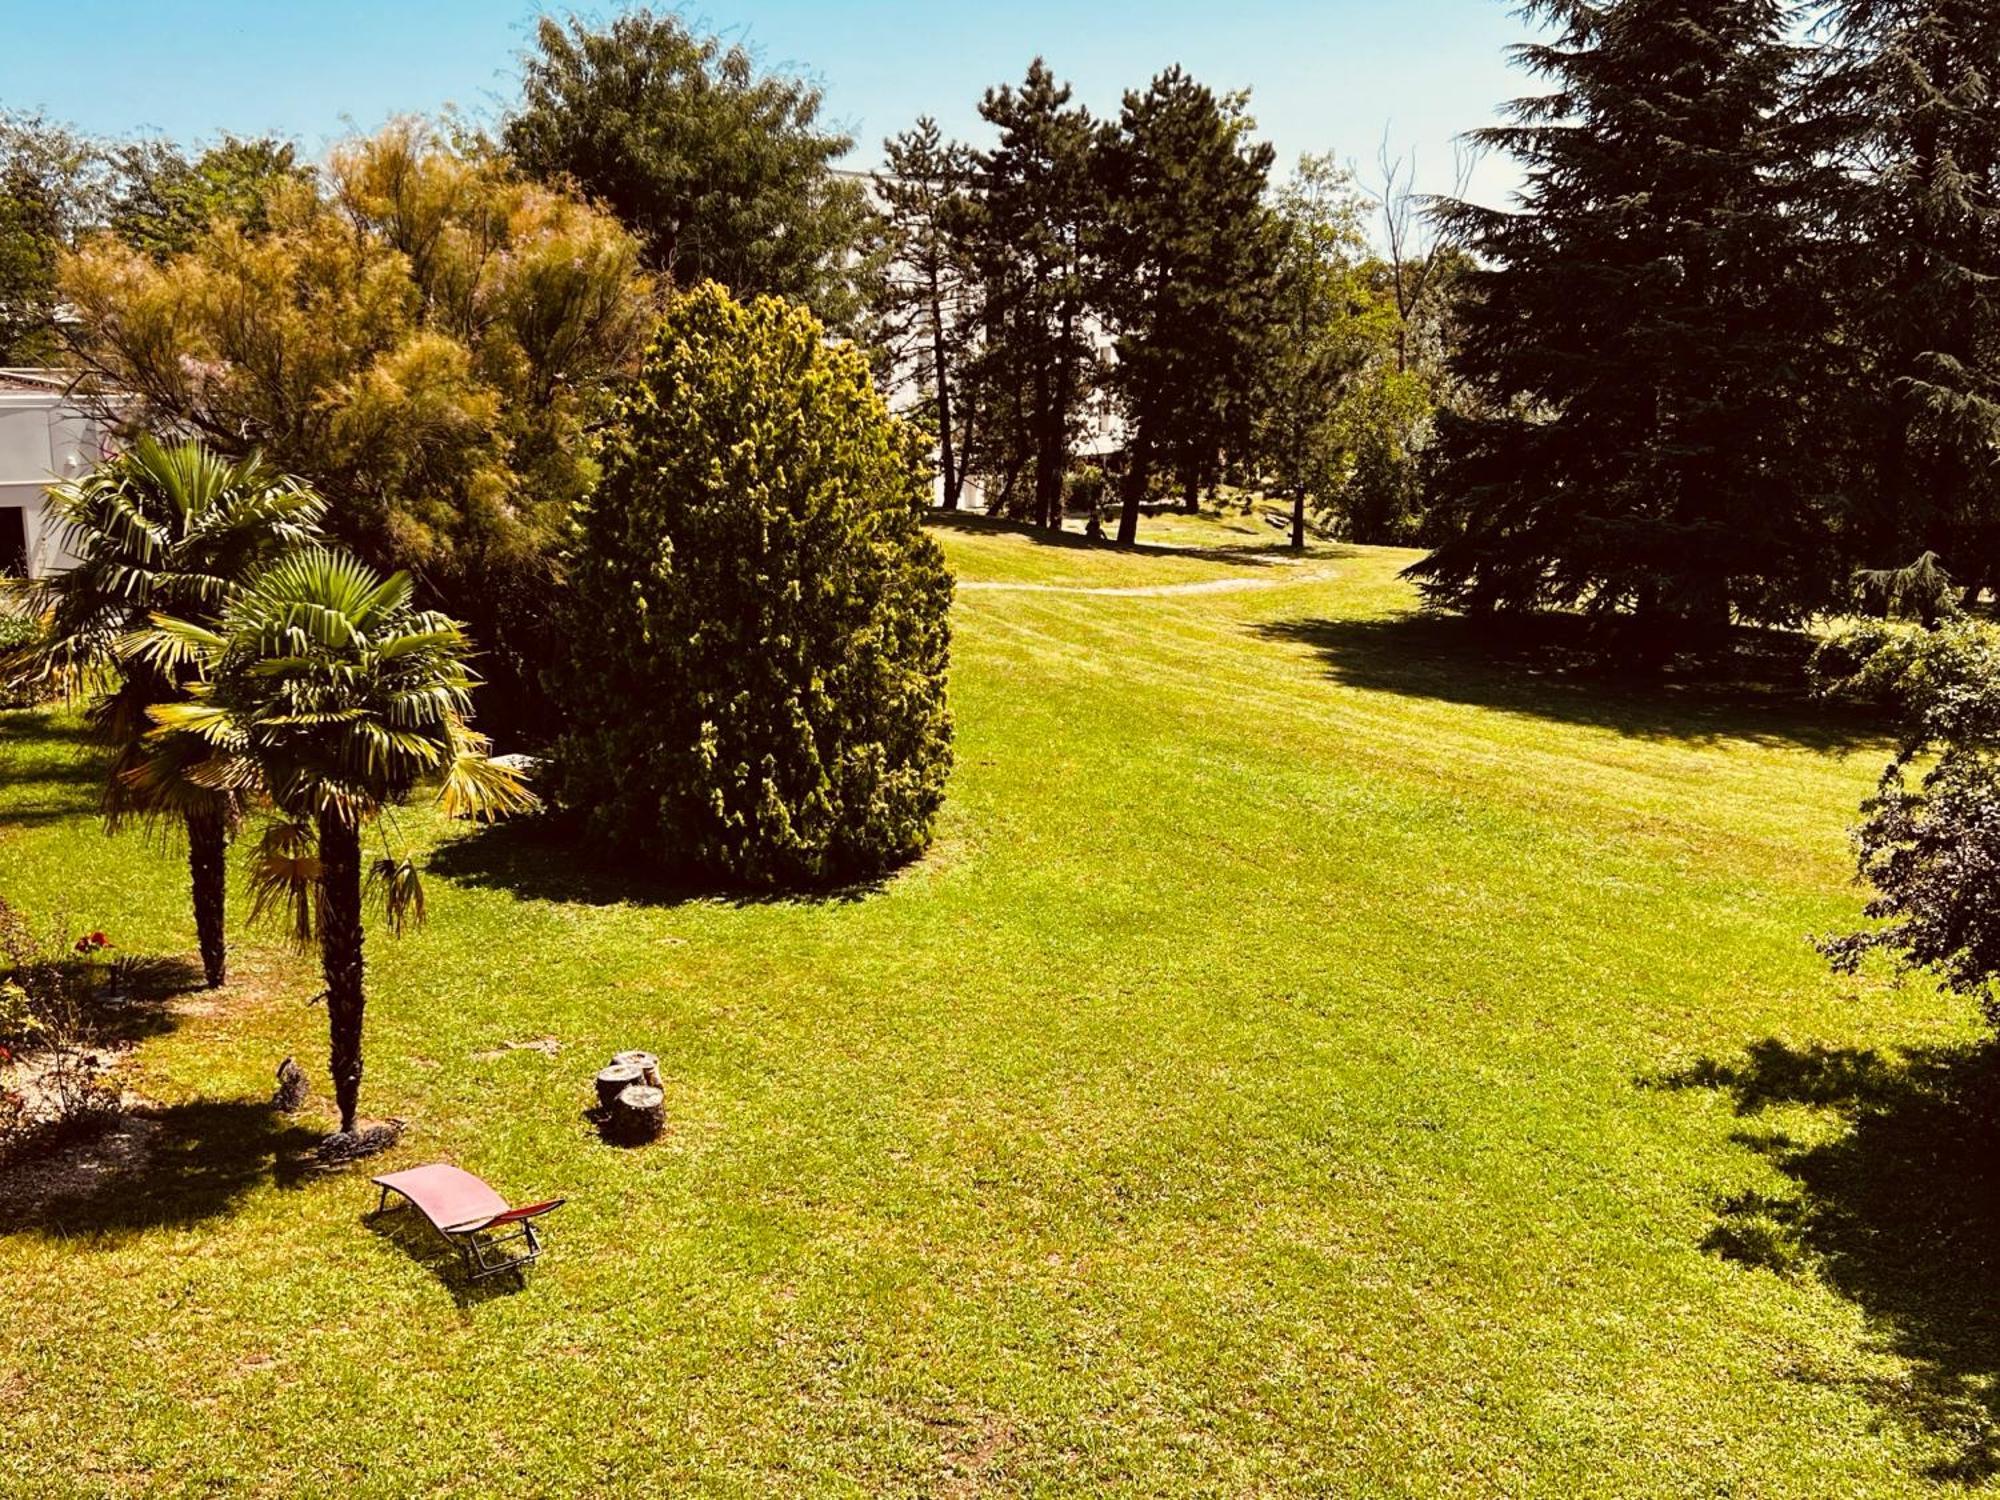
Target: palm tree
{"type": "Point", "coordinates": [170, 529]}
{"type": "Point", "coordinates": [326, 691]}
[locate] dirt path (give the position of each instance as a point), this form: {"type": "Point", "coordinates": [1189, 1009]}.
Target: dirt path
{"type": "Point", "coordinates": [1149, 591]}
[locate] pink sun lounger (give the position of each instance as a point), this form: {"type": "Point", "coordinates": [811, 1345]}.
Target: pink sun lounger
{"type": "Point", "coordinates": [468, 1213]}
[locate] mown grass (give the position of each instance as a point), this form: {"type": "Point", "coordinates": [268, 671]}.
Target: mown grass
{"type": "Point", "coordinates": [1321, 1055]}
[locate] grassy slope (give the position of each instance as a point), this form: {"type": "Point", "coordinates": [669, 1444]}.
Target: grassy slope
{"type": "Point", "coordinates": [1254, 1092]}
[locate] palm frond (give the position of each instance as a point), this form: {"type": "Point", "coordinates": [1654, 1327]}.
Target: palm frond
{"type": "Point", "coordinates": [401, 890]}
{"type": "Point", "coordinates": [285, 878]}
{"type": "Point", "coordinates": [168, 645]}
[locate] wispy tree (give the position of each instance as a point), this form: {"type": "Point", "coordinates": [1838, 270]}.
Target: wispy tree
{"type": "Point", "coordinates": [419, 332]}
{"type": "Point", "coordinates": [1320, 336]}
{"type": "Point", "coordinates": [929, 292]}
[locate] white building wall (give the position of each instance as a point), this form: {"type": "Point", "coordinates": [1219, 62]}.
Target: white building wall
{"type": "Point", "coordinates": [43, 438]}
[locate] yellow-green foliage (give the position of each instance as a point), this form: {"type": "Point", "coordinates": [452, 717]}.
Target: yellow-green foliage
{"type": "Point", "coordinates": [756, 683]}
{"type": "Point", "coordinates": [421, 334]}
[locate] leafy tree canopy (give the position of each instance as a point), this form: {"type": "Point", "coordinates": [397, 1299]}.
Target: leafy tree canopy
{"type": "Point", "coordinates": [1931, 851]}
{"type": "Point", "coordinates": [423, 335]}
{"type": "Point", "coordinates": [166, 199]}
{"type": "Point", "coordinates": [723, 172]}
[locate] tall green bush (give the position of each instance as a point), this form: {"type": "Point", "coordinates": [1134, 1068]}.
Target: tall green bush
{"type": "Point", "coordinates": [758, 637]}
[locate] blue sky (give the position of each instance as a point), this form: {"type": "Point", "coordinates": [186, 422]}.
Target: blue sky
{"type": "Point", "coordinates": [1324, 74]}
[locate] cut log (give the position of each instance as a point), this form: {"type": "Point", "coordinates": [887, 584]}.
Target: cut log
{"type": "Point", "coordinates": [637, 1115]}
{"type": "Point", "coordinates": [647, 1064]}
{"type": "Point", "coordinates": [613, 1081]}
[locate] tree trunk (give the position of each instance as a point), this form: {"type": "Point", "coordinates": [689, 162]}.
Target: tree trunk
{"type": "Point", "coordinates": [1191, 492]}
{"type": "Point", "coordinates": [637, 1115]}
{"type": "Point", "coordinates": [954, 481]}
{"type": "Point", "coordinates": [1043, 510]}
{"type": "Point", "coordinates": [1049, 472]}
{"type": "Point", "coordinates": [1138, 473]}
{"type": "Point", "coordinates": [970, 408]}
{"type": "Point", "coordinates": [340, 937]}
{"type": "Point", "coordinates": [208, 879]}
{"type": "Point", "coordinates": [614, 1080]}
{"type": "Point", "coordinates": [1298, 518]}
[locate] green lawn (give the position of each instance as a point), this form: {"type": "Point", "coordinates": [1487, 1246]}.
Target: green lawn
{"type": "Point", "coordinates": [1317, 1057]}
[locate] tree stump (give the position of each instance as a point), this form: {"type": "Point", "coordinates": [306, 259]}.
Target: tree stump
{"type": "Point", "coordinates": [637, 1115]}
{"type": "Point", "coordinates": [613, 1081]}
{"type": "Point", "coordinates": [291, 1095]}
{"type": "Point", "coordinates": [647, 1064]}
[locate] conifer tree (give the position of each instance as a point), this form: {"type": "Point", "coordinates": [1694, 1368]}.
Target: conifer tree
{"type": "Point", "coordinates": [1189, 255]}
{"type": "Point", "coordinates": [1643, 338]}
{"type": "Point", "coordinates": [928, 290]}
{"type": "Point", "coordinates": [723, 170]}
{"type": "Point", "coordinates": [1028, 233]}
{"type": "Point", "coordinates": [1914, 89]}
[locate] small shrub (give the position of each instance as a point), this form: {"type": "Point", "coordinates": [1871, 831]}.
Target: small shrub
{"type": "Point", "coordinates": [53, 1083]}
{"type": "Point", "coordinates": [19, 1024]}
{"type": "Point", "coordinates": [1084, 489]}
{"type": "Point", "coordinates": [1930, 851]}
{"type": "Point", "coordinates": [19, 634]}
{"type": "Point", "coordinates": [759, 623]}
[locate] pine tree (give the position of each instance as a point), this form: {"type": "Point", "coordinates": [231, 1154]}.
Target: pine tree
{"type": "Point", "coordinates": [1189, 253]}
{"type": "Point", "coordinates": [928, 290]}
{"type": "Point", "coordinates": [1644, 333]}
{"type": "Point", "coordinates": [1914, 89]}
{"type": "Point", "coordinates": [1028, 233]}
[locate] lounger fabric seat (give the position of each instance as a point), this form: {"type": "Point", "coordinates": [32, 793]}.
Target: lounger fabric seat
{"type": "Point", "coordinates": [467, 1212]}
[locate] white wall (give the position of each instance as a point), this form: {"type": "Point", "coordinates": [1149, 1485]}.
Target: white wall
{"type": "Point", "coordinates": [42, 438]}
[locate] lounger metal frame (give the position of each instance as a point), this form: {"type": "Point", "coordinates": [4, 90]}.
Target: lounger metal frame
{"type": "Point", "coordinates": [481, 1250]}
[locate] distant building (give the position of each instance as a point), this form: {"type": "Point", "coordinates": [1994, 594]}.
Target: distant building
{"type": "Point", "coordinates": [45, 436]}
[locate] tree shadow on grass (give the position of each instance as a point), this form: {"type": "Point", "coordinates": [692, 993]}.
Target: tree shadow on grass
{"type": "Point", "coordinates": [41, 726]}
{"type": "Point", "coordinates": [1899, 1213]}
{"type": "Point", "coordinates": [174, 1168]}
{"type": "Point", "coordinates": [137, 1001]}
{"type": "Point", "coordinates": [548, 859]}
{"type": "Point", "coordinates": [1549, 667]}
{"type": "Point", "coordinates": [59, 755]}
{"type": "Point", "coordinates": [1242, 555]}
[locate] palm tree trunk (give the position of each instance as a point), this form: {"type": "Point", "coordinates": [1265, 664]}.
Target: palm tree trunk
{"type": "Point", "coordinates": [208, 879]}
{"type": "Point", "coordinates": [340, 937]}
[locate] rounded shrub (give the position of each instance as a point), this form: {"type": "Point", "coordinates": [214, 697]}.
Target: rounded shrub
{"type": "Point", "coordinates": [758, 624]}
